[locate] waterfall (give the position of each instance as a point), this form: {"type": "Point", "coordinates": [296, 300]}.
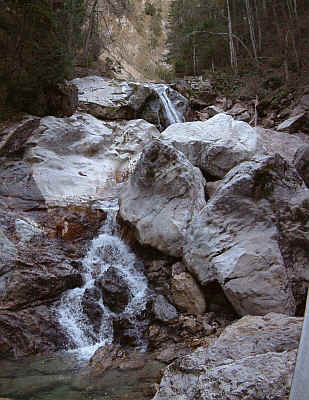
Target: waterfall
{"type": "Point", "coordinates": [91, 326]}
{"type": "Point", "coordinates": [171, 112]}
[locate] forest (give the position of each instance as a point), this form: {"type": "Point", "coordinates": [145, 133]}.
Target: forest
{"type": "Point", "coordinates": [238, 35]}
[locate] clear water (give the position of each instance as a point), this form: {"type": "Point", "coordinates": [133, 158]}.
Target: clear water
{"type": "Point", "coordinates": [65, 377]}
{"type": "Point", "coordinates": [106, 251]}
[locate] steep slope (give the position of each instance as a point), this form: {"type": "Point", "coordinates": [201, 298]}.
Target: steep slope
{"type": "Point", "coordinates": [134, 38]}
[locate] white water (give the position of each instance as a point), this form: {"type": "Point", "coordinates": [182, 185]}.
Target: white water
{"type": "Point", "coordinates": [171, 112]}
{"type": "Point", "coordinates": [107, 250]}
{"type": "Point", "coordinates": [172, 115]}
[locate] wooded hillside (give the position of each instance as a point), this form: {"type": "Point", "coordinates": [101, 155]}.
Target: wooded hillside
{"type": "Point", "coordinates": [239, 34]}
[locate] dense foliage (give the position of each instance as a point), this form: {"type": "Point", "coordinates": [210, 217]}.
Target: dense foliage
{"type": "Point", "coordinates": [211, 34]}
{"type": "Point", "coordinates": [38, 43]}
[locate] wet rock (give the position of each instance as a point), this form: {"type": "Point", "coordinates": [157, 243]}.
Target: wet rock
{"type": "Point", "coordinates": [92, 308]}
{"type": "Point", "coordinates": [164, 107]}
{"type": "Point", "coordinates": [126, 330]}
{"type": "Point", "coordinates": [217, 145]}
{"type": "Point", "coordinates": [254, 358]}
{"type": "Point", "coordinates": [114, 289]}
{"type": "Point", "coordinates": [235, 239]}
{"type": "Point", "coordinates": [40, 274]}
{"type": "Point", "coordinates": [105, 358]}
{"type": "Point", "coordinates": [80, 157]}
{"type": "Point", "coordinates": [30, 331]}
{"type": "Point", "coordinates": [187, 295]}
{"type": "Point", "coordinates": [163, 310]}
{"type": "Point", "coordinates": [161, 197]}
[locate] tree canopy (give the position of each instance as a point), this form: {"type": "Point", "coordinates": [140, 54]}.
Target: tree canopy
{"type": "Point", "coordinates": [210, 34]}
{"type": "Point", "coordinates": [38, 43]}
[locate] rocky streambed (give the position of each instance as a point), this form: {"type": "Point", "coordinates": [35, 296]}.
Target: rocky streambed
{"type": "Point", "coordinates": [213, 220]}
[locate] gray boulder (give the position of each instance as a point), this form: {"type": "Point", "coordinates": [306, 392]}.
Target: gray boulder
{"type": "Point", "coordinates": [163, 310]}
{"type": "Point", "coordinates": [253, 359]}
{"type": "Point", "coordinates": [236, 240]}
{"type": "Point", "coordinates": [216, 145]}
{"type": "Point", "coordinates": [282, 143]}
{"type": "Point", "coordinates": [81, 157]}
{"type": "Point", "coordinates": [162, 196]}
{"type": "Point", "coordinates": [110, 99]}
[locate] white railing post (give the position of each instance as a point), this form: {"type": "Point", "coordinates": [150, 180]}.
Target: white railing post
{"type": "Point", "coordinates": [300, 382]}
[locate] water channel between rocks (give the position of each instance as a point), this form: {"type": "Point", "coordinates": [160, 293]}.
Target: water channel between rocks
{"type": "Point", "coordinates": [66, 375]}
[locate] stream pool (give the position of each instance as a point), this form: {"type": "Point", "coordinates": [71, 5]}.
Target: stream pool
{"type": "Point", "coordinates": [64, 376]}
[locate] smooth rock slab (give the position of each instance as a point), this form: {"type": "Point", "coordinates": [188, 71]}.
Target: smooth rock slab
{"type": "Point", "coordinates": [162, 196]}
{"type": "Point", "coordinates": [216, 145]}
{"type": "Point", "coordinates": [81, 157]}
{"type": "Point", "coordinates": [109, 99]}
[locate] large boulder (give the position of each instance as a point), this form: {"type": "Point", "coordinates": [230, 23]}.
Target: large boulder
{"type": "Point", "coordinates": [216, 145]}
{"type": "Point", "coordinates": [162, 196]}
{"type": "Point", "coordinates": [236, 240]}
{"type": "Point", "coordinates": [81, 157]}
{"type": "Point", "coordinates": [253, 359]}
{"type": "Point", "coordinates": [282, 143]}
{"type": "Point", "coordinates": [110, 99]}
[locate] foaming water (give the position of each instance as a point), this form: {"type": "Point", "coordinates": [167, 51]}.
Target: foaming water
{"type": "Point", "coordinates": [106, 251]}
{"type": "Point", "coordinates": [172, 114]}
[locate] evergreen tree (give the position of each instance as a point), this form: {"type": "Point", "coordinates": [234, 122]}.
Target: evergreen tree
{"type": "Point", "coordinates": [38, 42]}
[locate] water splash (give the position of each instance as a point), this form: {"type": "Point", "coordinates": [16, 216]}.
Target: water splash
{"type": "Point", "coordinates": [106, 251]}
{"type": "Point", "coordinates": [173, 116]}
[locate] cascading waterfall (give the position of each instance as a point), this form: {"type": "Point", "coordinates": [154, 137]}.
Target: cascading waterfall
{"type": "Point", "coordinates": [172, 115]}
{"type": "Point", "coordinates": [107, 252]}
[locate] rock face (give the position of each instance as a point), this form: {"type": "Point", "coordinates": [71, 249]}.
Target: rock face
{"type": "Point", "coordinates": [301, 161]}
{"type": "Point", "coordinates": [282, 143]}
{"type": "Point", "coordinates": [254, 358]}
{"type": "Point", "coordinates": [216, 145]}
{"type": "Point", "coordinates": [163, 194]}
{"type": "Point", "coordinates": [235, 239]}
{"type": "Point", "coordinates": [186, 294]}
{"type": "Point", "coordinates": [81, 157]}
